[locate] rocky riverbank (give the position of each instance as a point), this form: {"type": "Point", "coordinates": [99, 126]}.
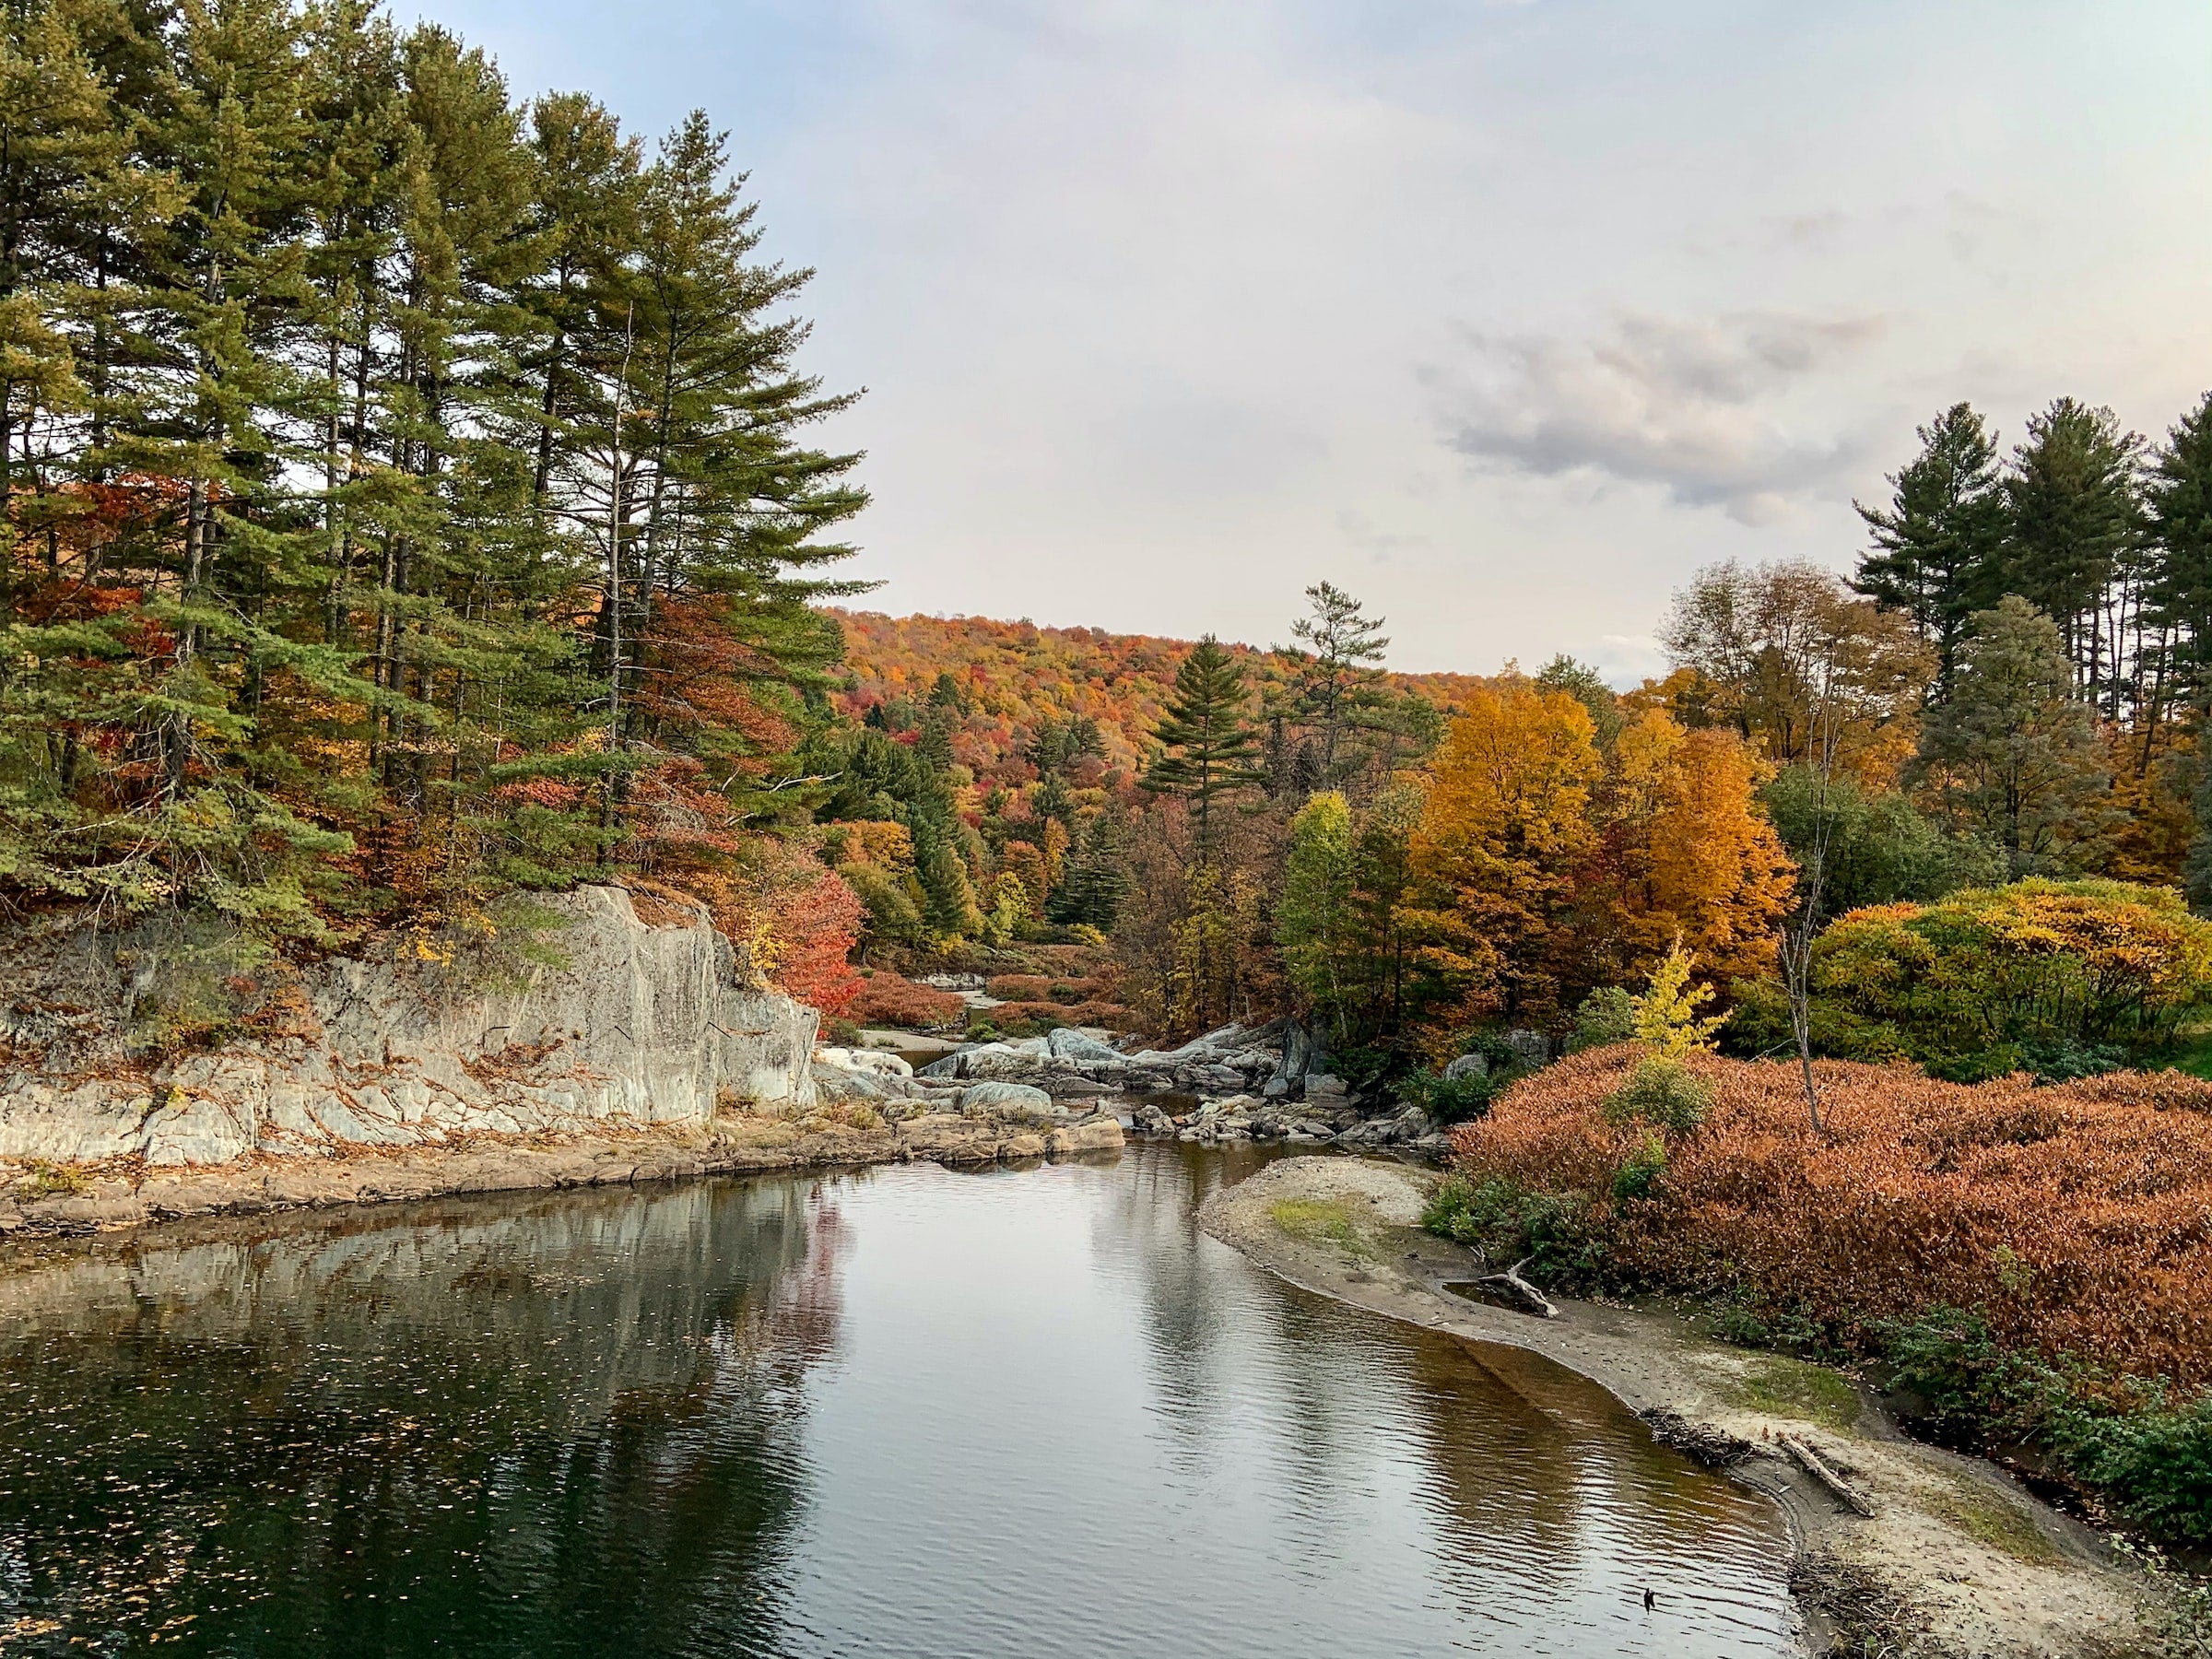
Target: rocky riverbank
{"type": "Point", "coordinates": [1902, 1549]}
{"type": "Point", "coordinates": [51, 1200]}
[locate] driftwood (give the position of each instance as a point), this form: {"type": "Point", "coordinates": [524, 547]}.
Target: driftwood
{"type": "Point", "coordinates": [1513, 1280]}
{"type": "Point", "coordinates": [1811, 1463]}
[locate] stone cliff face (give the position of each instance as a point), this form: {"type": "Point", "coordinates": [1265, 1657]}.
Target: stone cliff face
{"type": "Point", "coordinates": [641, 1021]}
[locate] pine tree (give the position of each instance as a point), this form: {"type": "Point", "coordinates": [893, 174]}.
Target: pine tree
{"type": "Point", "coordinates": [1207, 748]}
{"type": "Point", "coordinates": [2177, 511]}
{"type": "Point", "coordinates": [1093, 883]}
{"type": "Point", "coordinates": [2071, 535]}
{"type": "Point", "coordinates": [1334, 680]}
{"type": "Point", "coordinates": [312, 349]}
{"type": "Point", "coordinates": [1938, 544]}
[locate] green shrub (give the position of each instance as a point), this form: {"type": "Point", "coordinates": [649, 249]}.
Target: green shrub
{"type": "Point", "coordinates": [2150, 1457]}
{"type": "Point", "coordinates": [1639, 1176]}
{"type": "Point", "coordinates": [1663, 1094]}
{"type": "Point", "coordinates": [2057, 973]}
{"type": "Point", "coordinates": [1452, 1100]}
{"type": "Point", "coordinates": [1507, 1222]}
{"type": "Point", "coordinates": [2155, 1459]}
{"type": "Point", "coordinates": [1606, 1016]}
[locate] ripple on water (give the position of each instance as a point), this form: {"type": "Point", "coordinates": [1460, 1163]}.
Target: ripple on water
{"type": "Point", "coordinates": [902, 1412]}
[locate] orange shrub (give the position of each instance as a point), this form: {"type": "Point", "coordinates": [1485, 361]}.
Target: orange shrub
{"type": "Point", "coordinates": [887, 999]}
{"type": "Point", "coordinates": [1018, 987]}
{"type": "Point", "coordinates": [2078, 1217]}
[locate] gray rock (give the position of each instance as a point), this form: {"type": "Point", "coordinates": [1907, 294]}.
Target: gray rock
{"type": "Point", "coordinates": [875, 1062]}
{"type": "Point", "coordinates": [833, 1084]}
{"type": "Point", "coordinates": [1018, 1102]}
{"type": "Point", "coordinates": [1322, 1089]}
{"type": "Point", "coordinates": [1068, 1044]}
{"type": "Point", "coordinates": [1467, 1065]}
{"type": "Point", "coordinates": [646, 1022]}
{"type": "Point", "coordinates": [1534, 1047]}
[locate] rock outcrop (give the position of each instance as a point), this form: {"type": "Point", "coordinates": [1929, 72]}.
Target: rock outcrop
{"type": "Point", "coordinates": [1260, 1082]}
{"type": "Point", "coordinates": [639, 1021]}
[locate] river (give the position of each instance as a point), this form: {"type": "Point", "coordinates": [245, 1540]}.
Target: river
{"type": "Point", "coordinates": [900, 1412]}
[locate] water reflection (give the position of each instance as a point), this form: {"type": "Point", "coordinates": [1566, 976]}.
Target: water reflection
{"type": "Point", "coordinates": [908, 1412]}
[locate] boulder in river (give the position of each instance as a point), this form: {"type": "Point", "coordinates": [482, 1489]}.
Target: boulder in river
{"type": "Point", "coordinates": [1016, 1102]}
{"type": "Point", "coordinates": [1066, 1043]}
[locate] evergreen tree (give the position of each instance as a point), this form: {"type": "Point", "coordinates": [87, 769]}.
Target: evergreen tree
{"type": "Point", "coordinates": [1939, 542]}
{"type": "Point", "coordinates": [2071, 537]}
{"type": "Point", "coordinates": [2014, 755]}
{"type": "Point", "coordinates": [391, 478]}
{"type": "Point", "coordinates": [1094, 882]}
{"type": "Point", "coordinates": [1207, 748]}
{"type": "Point", "coordinates": [2177, 511]}
{"type": "Point", "coordinates": [1334, 690]}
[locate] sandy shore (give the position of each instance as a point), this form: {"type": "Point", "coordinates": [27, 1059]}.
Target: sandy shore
{"type": "Point", "coordinates": [39, 1202]}
{"type": "Point", "coordinates": [1953, 1557]}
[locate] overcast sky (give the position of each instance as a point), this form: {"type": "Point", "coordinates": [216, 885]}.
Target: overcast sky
{"type": "Point", "coordinates": [1504, 316]}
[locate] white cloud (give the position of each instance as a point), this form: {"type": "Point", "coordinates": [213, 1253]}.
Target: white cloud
{"type": "Point", "coordinates": [1690, 406]}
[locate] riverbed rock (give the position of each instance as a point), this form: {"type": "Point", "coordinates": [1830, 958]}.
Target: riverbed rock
{"type": "Point", "coordinates": [1467, 1065]}
{"type": "Point", "coordinates": [1149, 1119]}
{"type": "Point", "coordinates": [1325, 1091]}
{"type": "Point", "coordinates": [1016, 1102]}
{"type": "Point", "coordinates": [1066, 1043]}
{"type": "Point", "coordinates": [876, 1062]}
{"type": "Point", "coordinates": [649, 1021]}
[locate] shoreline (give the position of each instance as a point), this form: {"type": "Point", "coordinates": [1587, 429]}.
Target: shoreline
{"type": "Point", "coordinates": [126, 1193]}
{"type": "Point", "coordinates": [1950, 1557]}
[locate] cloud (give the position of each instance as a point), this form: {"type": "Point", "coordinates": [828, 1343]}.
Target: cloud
{"type": "Point", "coordinates": [1695, 407]}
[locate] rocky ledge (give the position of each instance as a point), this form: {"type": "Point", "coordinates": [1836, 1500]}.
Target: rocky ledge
{"type": "Point", "coordinates": [131, 1192]}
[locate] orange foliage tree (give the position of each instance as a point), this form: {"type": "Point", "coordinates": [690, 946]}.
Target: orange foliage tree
{"type": "Point", "coordinates": [1681, 852]}
{"type": "Point", "coordinates": [1505, 825]}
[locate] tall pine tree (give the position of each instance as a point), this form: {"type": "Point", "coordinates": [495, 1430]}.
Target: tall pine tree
{"type": "Point", "coordinates": [1207, 749]}
{"type": "Point", "coordinates": [1938, 542]}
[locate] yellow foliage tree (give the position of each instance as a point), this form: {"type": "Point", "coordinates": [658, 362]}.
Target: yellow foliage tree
{"type": "Point", "coordinates": [1666, 1017]}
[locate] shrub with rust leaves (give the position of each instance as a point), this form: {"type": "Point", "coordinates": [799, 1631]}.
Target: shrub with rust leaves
{"type": "Point", "coordinates": [2076, 1219]}
{"type": "Point", "coordinates": [889, 999]}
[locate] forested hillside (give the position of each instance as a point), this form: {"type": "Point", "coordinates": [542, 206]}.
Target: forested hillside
{"type": "Point", "coordinates": [1021, 685]}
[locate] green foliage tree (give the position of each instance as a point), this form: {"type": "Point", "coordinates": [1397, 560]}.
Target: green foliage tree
{"type": "Point", "coordinates": [1938, 542]}
{"type": "Point", "coordinates": [2014, 755]}
{"type": "Point", "coordinates": [1878, 847]}
{"type": "Point", "coordinates": [1207, 749]}
{"type": "Point", "coordinates": [1990, 980]}
{"type": "Point", "coordinates": [1313, 920]}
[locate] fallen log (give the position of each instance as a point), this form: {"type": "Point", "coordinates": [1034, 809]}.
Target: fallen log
{"type": "Point", "coordinates": [1513, 1280]}
{"type": "Point", "coordinates": [1812, 1464]}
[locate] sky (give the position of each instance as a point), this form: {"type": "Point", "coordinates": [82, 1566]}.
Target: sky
{"type": "Point", "coordinates": [1504, 316]}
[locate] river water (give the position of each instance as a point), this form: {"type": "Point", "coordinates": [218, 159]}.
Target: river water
{"type": "Point", "coordinates": [903, 1412]}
